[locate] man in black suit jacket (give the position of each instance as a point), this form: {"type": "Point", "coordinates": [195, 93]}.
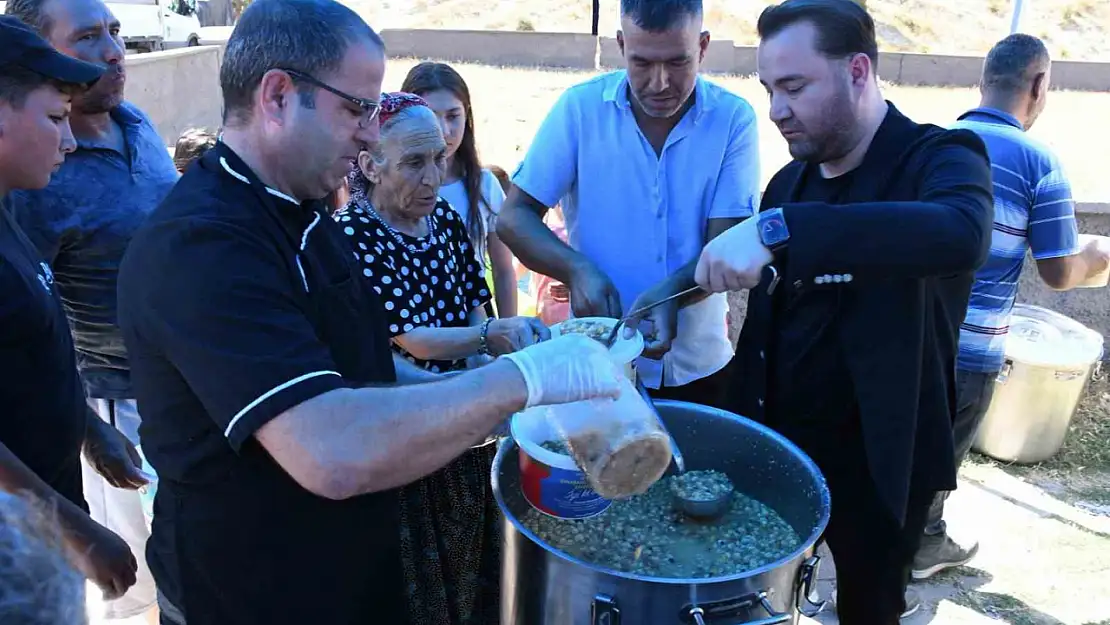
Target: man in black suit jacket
{"type": "Point", "coordinates": [860, 263]}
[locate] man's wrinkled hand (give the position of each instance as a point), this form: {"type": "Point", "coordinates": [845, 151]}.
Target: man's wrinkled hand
{"type": "Point", "coordinates": [734, 260]}
{"type": "Point", "coordinates": [113, 456]}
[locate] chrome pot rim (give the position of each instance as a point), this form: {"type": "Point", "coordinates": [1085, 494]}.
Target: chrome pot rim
{"type": "Point", "coordinates": [805, 545]}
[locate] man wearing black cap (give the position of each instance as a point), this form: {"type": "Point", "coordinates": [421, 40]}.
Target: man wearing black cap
{"type": "Point", "coordinates": [44, 420]}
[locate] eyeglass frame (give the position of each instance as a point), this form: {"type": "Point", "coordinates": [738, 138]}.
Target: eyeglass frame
{"type": "Point", "coordinates": [370, 108]}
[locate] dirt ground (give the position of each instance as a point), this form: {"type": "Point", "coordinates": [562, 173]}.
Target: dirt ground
{"type": "Point", "coordinates": [510, 104]}
{"type": "Point", "coordinates": [1072, 29]}
{"type": "Point", "coordinates": [1044, 534]}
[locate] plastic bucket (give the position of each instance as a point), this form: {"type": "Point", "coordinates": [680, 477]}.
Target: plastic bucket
{"type": "Point", "coordinates": [551, 482]}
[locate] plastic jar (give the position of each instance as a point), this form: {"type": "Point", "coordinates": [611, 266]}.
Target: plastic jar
{"type": "Point", "coordinates": [619, 444]}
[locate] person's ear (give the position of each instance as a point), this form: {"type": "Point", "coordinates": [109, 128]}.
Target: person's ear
{"type": "Point", "coordinates": [276, 94]}
{"type": "Point", "coordinates": [1039, 87]}
{"type": "Point", "coordinates": [368, 168]}
{"type": "Point", "coordinates": [703, 45]}
{"type": "Point", "coordinates": [859, 68]}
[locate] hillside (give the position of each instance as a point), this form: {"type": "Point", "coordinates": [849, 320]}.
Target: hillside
{"type": "Point", "coordinates": [1073, 29]}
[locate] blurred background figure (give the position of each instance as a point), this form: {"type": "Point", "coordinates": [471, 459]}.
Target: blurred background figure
{"type": "Point", "coordinates": [191, 145]}
{"type": "Point", "coordinates": [539, 295]}
{"type": "Point", "coordinates": [38, 585]}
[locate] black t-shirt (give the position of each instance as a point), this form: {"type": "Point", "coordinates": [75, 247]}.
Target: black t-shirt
{"type": "Point", "coordinates": [43, 403]}
{"type": "Point", "coordinates": [236, 304]}
{"type": "Point", "coordinates": [806, 351]}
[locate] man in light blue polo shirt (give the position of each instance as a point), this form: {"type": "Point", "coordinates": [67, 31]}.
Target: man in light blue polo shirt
{"type": "Point", "coordinates": [1033, 210]}
{"type": "Point", "coordinates": [82, 223]}
{"type": "Point", "coordinates": [648, 163]}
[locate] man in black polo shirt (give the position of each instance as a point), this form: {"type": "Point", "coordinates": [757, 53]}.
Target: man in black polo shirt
{"type": "Point", "coordinates": [261, 363]}
{"type": "Point", "coordinates": [45, 419]}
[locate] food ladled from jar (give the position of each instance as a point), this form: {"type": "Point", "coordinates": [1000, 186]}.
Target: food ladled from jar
{"type": "Point", "coordinates": [701, 485]}
{"type": "Point", "coordinates": [597, 330]}
{"type": "Point", "coordinates": [556, 446]}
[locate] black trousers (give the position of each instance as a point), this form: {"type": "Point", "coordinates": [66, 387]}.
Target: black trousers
{"type": "Point", "coordinates": [168, 613]}
{"type": "Point", "coordinates": [872, 550]}
{"type": "Point", "coordinates": [974, 391]}
{"type": "Point", "coordinates": [707, 391]}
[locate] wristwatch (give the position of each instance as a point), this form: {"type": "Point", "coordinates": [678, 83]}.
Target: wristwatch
{"type": "Point", "coordinates": [773, 232]}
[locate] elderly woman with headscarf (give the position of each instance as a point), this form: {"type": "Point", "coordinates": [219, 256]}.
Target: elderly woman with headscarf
{"type": "Point", "coordinates": [416, 254]}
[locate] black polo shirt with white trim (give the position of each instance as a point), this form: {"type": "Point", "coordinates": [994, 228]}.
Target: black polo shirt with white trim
{"type": "Point", "coordinates": [238, 303]}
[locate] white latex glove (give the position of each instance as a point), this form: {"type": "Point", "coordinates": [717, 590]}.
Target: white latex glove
{"type": "Point", "coordinates": [566, 369]}
{"type": "Point", "coordinates": [734, 260]}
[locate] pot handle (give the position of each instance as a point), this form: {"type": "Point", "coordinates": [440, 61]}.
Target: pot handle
{"type": "Point", "coordinates": [605, 611]}
{"type": "Point", "coordinates": [696, 614]}
{"type": "Point", "coordinates": [807, 588]}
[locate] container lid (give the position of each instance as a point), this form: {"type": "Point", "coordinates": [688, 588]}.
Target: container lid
{"type": "Point", "coordinates": [1039, 336]}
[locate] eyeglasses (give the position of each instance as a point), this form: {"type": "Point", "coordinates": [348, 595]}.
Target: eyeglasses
{"type": "Point", "coordinates": [370, 108]}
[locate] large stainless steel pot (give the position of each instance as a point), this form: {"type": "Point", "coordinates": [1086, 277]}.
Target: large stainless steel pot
{"type": "Point", "coordinates": [543, 586]}
{"type": "Point", "coordinates": [1049, 359]}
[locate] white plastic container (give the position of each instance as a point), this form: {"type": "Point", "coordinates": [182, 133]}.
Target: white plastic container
{"type": "Point", "coordinates": [551, 482]}
{"type": "Point", "coordinates": [1100, 279]}
{"type": "Point", "coordinates": [625, 350]}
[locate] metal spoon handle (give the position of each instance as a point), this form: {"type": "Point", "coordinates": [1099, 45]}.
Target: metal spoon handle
{"type": "Point", "coordinates": [679, 461]}
{"type": "Point", "coordinates": [643, 309]}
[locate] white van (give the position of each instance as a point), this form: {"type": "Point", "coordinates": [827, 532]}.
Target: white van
{"type": "Point", "coordinates": [148, 25]}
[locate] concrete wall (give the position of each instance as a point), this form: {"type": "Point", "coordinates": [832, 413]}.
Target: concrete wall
{"type": "Point", "coordinates": [178, 89]}
{"type": "Point", "coordinates": [582, 51]}
{"type": "Point", "coordinates": [490, 47]}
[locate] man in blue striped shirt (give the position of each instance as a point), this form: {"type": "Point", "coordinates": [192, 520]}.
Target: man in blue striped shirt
{"type": "Point", "coordinates": [1033, 210]}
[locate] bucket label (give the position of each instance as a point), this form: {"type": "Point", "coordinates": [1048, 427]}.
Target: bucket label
{"type": "Point", "coordinates": [559, 492]}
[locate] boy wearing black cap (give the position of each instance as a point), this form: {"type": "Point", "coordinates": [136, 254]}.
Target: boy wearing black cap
{"type": "Point", "coordinates": [44, 415]}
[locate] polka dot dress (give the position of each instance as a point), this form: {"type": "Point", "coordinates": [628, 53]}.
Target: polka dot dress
{"type": "Point", "coordinates": [431, 281]}
{"type": "Point", "coordinates": [450, 525]}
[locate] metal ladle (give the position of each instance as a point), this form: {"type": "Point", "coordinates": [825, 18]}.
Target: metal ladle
{"type": "Point", "coordinates": [612, 338]}
{"type": "Point", "coordinates": [702, 509]}
{"type": "Point", "coordinates": [699, 509]}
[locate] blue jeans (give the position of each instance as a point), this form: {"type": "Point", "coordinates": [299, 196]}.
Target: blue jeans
{"type": "Point", "coordinates": [974, 390]}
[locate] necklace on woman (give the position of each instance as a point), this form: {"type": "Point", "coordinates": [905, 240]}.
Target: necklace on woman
{"type": "Point", "coordinates": [425, 241]}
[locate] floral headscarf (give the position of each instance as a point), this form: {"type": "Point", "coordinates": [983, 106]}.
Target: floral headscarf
{"type": "Point", "coordinates": [391, 105]}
